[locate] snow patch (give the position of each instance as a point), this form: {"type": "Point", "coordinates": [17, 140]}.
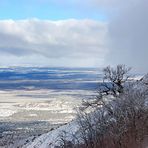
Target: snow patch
{"type": "Point", "coordinates": [6, 112]}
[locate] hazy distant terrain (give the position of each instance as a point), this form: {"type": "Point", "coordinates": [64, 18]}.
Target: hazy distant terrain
{"type": "Point", "coordinates": [49, 78]}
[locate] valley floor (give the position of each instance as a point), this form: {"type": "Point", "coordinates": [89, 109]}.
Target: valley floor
{"type": "Point", "coordinates": [27, 113]}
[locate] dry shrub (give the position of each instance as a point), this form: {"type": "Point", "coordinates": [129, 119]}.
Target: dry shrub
{"type": "Point", "coordinates": [122, 123]}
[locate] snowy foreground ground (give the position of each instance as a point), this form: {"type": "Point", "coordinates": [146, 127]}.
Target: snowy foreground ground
{"type": "Point", "coordinates": [52, 138]}
{"type": "Point", "coordinates": [31, 113]}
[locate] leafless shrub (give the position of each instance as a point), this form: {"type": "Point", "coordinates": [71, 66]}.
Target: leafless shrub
{"type": "Point", "coordinates": [122, 123]}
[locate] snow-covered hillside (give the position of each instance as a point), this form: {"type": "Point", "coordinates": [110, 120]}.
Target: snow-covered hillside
{"type": "Point", "coordinates": [52, 139]}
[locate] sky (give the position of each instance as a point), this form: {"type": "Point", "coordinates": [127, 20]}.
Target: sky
{"type": "Point", "coordinates": [74, 33]}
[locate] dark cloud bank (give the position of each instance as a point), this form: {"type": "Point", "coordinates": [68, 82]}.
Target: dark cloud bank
{"type": "Point", "coordinates": [128, 35]}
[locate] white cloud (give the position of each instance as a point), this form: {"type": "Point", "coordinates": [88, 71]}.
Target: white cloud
{"type": "Point", "coordinates": [64, 42]}
{"type": "Point", "coordinates": [128, 35]}
{"type": "Point", "coordinates": [123, 39]}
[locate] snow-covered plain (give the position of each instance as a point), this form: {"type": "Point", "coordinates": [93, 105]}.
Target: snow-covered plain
{"type": "Point", "coordinates": [37, 102]}
{"type": "Point", "coordinates": [35, 112]}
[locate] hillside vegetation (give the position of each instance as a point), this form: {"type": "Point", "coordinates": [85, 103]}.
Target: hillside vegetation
{"type": "Point", "coordinates": [116, 118]}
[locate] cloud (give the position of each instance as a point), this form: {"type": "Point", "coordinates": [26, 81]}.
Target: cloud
{"type": "Point", "coordinates": [128, 35]}
{"type": "Point", "coordinates": [65, 42]}
{"type": "Point", "coordinates": [123, 38]}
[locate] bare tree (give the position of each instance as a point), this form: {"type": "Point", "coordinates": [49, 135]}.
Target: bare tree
{"type": "Point", "coordinates": [115, 78]}
{"type": "Point", "coordinates": [113, 85]}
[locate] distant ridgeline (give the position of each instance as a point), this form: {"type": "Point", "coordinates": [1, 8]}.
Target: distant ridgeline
{"type": "Point", "coordinates": [49, 78]}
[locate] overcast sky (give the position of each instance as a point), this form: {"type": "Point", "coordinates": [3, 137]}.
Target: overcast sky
{"type": "Point", "coordinates": [90, 33]}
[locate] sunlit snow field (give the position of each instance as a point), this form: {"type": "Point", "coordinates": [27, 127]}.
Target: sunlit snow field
{"type": "Point", "coordinates": [41, 105]}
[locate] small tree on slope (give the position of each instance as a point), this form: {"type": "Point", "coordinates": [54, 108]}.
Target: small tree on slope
{"type": "Point", "coordinates": [113, 85]}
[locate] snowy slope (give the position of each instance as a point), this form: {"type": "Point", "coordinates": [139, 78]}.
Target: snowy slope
{"type": "Point", "coordinates": [51, 139]}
